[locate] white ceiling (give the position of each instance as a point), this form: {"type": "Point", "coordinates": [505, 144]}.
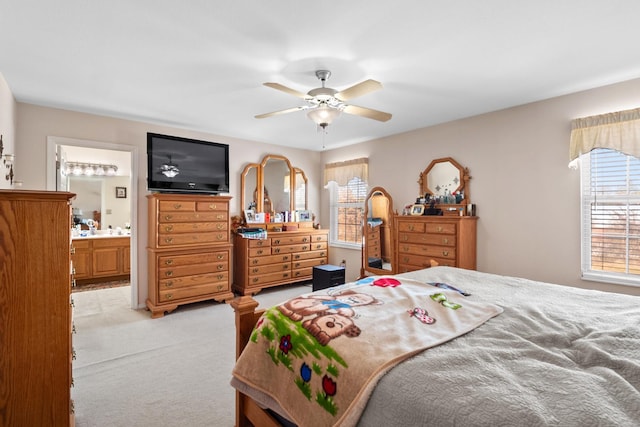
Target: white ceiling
{"type": "Point", "coordinates": [200, 64]}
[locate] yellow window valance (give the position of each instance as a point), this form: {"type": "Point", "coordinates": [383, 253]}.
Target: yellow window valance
{"type": "Point", "coordinates": [342, 172]}
{"type": "Point", "coordinates": [618, 131]}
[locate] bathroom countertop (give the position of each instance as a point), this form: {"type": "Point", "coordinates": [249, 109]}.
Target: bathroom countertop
{"type": "Point", "coordinates": [100, 236]}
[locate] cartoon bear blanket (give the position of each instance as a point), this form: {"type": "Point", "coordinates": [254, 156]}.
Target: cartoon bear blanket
{"type": "Point", "coordinates": [318, 356]}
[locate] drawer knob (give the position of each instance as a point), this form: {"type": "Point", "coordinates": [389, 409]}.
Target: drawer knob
{"type": "Point", "coordinates": [168, 217]}
{"type": "Point", "coordinates": [168, 240]}
{"type": "Point", "coordinates": [304, 239]}
{"type": "Point", "coordinates": [168, 228]}
{"type": "Point", "coordinates": [260, 252]}
{"type": "Point", "coordinates": [168, 273]}
{"type": "Point", "coordinates": [220, 217]}
{"type": "Point", "coordinates": [219, 287]}
{"type": "Point", "coordinates": [220, 256]}
{"type": "Point", "coordinates": [169, 296]}
{"type": "Point", "coordinates": [445, 253]}
{"type": "Point", "coordinates": [276, 250]}
{"type": "Point", "coordinates": [168, 262]}
{"type": "Point", "coordinates": [411, 228]}
{"type": "Point", "coordinates": [439, 229]}
{"type": "Point", "coordinates": [169, 284]}
{"type": "Point", "coordinates": [255, 270]}
{"type": "Point", "coordinates": [285, 266]}
{"type": "Point", "coordinates": [255, 280]}
{"type": "Point", "coordinates": [277, 241]}
{"type": "Point", "coordinates": [255, 261]}
{"type": "Point", "coordinates": [212, 206]}
{"type": "Point", "coordinates": [73, 250]}
{"type": "Point", "coordinates": [220, 267]}
{"type": "Point", "coordinates": [220, 226]}
{"type": "Point", "coordinates": [177, 205]}
{"type": "Point", "coordinates": [220, 276]}
{"type": "Point", "coordinates": [445, 240]}
{"type": "Point", "coordinates": [296, 256]}
{"type": "Point", "coordinates": [221, 237]}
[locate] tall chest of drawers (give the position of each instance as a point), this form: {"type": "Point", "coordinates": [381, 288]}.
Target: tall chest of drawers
{"type": "Point", "coordinates": [422, 240]}
{"type": "Point", "coordinates": [283, 257]}
{"type": "Point", "coordinates": [189, 251]}
{"type": "Point", "coordinates": [35, 309]}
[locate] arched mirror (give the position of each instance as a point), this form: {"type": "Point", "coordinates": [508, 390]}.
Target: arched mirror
{"type": "Point", "coordinates": [276, 184]}
{"type": "Point", "coordinates": [447, 181]}
{"type": "Point", "coordinates": [268, 186]}
{"type": "Point", "coordinates": [377, 252]}
{"type": "Point", "coordinates": [249, 184]}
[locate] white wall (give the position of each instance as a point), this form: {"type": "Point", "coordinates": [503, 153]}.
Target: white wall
{"type": "Point", "coordinates": [36, 123]}
{"type": "Point", "coordinates": [527, 198]}
{"type": "Point", "coordinates": [8, 120]}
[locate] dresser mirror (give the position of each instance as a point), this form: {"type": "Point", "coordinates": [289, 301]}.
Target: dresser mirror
{"type": "Point", "coordinates": [268, 186]}
{"type": "Point", "coordinates": [249, 185]}
{"type": "Point", "coordinates": [445, 179]}
{"type": "Point", "coordinates": [377, 252]}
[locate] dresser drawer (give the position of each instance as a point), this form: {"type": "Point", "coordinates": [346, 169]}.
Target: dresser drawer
{"type": "Point", "coordinates": [269, 259]}
{"type": "Point", "coordinates": [270, 268]}
{"type": "Point", "coordinates": [444, 228]}
{"type": "Point", "coordinates": [290, 240]}
{"type": "Point", "coordinates": [193, 291]}
{"type": "Point", "coordinates": [176, 206]}
{"type": "Point", "coordinates": [427, 239]}
{"type": "Point", "coordinates": [307, 263]}
{"type": "Point", "coordinates": [412, 227]}
{"type": "Point", "coordinates": [309, 255]}
{"type": "Point", "coordinates": [268, 278]}
{"type": "Point", "coordinates": [255, 243]}
{"type": "Point", "coordinates": [302, 273]}
{"type": "Point", "coordinates": [186, 270]}
{"type": "Point", "coordinates": [429, 251]}
{"type": "Point", "coordinates": [320, 237]}
{"type": "Point", "coordinates": [186, 227]}
{"type": "Point", "coordinates": [198, 258]}
{"type": "Point", "coordinates": [290, 248]}
{"type": "Point", "coordinates": [192, 280]}
{"type": "Point", "coordinates": [190, 216]}
{"type": "Point", "coordinates": [212, 206]}
{"type": "Point", "coordinates": [259, 252]}
{"type": "Point", "coordinates": [168, 240]}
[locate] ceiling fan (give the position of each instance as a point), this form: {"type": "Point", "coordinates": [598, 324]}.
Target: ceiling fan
{"type": "Point", "coordinates": [325, 104]}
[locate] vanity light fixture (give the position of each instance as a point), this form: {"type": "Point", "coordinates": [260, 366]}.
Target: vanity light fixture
{"type": "Point", "coordinates": [90, 169]}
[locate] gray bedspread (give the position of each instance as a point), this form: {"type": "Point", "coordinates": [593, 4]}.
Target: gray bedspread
{"type": "Point", "coordinates": [557, 356]}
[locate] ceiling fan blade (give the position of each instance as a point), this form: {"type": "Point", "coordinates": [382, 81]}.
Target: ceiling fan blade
{"type": "Point", "coordinates": [277, 113]}
{"type": "Point", "coordinates": [359, 89]}
{"type": "Point", "coordinates": [369, 113]}
{"type": "Point", "coordinates": [288, 90]}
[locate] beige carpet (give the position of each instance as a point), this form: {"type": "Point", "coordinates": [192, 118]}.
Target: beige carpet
{"type": "Point", "coordinates": [131, 370]}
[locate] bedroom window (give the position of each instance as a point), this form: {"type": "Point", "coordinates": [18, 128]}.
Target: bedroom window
{"type": "Point", "coordinates": [610, 216]}
{"type": "Point", "coordinates": [347, 185]}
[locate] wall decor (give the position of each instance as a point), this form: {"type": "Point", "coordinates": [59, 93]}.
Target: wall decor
{"type": "Point", "coordinates": [121, 192]}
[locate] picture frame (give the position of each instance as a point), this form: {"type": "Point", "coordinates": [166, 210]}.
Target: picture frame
{"type": "Point", "coordinates": [260, 217]}
{"type": "Point", "coordinates": [121, 192]}
{"type": "Point", "coordinates": [417, 210]}
{"type": "Point", "coordinates": [249, 216]}
{"type": "Point", "coordinates": [304, 216]}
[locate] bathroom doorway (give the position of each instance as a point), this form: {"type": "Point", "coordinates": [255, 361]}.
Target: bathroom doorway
{"type": "Point", "coordinates": [118, 209]}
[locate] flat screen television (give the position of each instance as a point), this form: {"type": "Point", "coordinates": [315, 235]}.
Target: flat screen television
{"type": "Point", "coordinates": [176, 164]}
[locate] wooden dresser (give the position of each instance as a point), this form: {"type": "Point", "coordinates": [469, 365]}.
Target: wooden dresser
{"type": "Point", "coordinates": [447, 240]}
{"type": "Point", "coordinates": [101, 259]}
{"type": "Point", "coordinates": [373, 242]}
{"type": "Point", "coordinates": [189, 251]}
{"type": "Point", "coordinates": [35, 308]}
{"type": "Point", "coordinates": [283, 257]}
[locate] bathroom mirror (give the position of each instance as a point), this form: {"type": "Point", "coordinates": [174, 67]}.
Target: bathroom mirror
{"type": "Point", "coordinates": [444, 177]}
{"type": "Point", "coordinates": [377, 252]}
{"type": "Point", "coordinates": [270, 186]}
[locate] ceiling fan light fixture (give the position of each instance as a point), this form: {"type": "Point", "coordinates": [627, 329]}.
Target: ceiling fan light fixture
{"type": "Point", "coordinates": [323, 115]}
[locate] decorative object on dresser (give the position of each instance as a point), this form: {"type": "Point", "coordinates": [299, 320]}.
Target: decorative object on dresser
{"type": "Point", "coordinates": [189, 252]}
{"type": "Point", "coordinates": [281, 258]}
{"type": "Point", "coordinates": [446, 239]}
{"type": "Point", "coordinates": [35, 308]}
{"type": "Point", "coordinates": [377, 252]}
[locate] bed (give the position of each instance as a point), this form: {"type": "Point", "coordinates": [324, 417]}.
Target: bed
{"type": "Point", "coordinates": [542, 354]}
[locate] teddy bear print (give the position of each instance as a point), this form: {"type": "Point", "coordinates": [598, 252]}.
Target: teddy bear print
{"type": "Point", "coordinates": [298, 308]}
{"type": "Point", "coordinates": [327, 326]}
